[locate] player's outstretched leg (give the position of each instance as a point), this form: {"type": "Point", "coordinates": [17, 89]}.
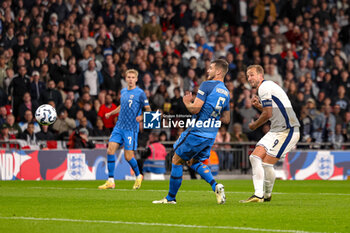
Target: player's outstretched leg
{"type": "Point", "coordinates": [129, 156]}
{"type": "Point", "coordinates": [258, 180]}
{"type": "Point", "coordinates": [174, 185]}
{"type": "Point", "coordinates": [269, 180]}
{"type": "Point", "coordinates": [110, 182]}
{"type": "Point", "coordinates": [204, 171]}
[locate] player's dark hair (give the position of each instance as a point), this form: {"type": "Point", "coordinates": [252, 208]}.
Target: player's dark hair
{"type": "Point", "coordinates": [221, 64]}
{"type": "Point", "coordinates": [258, 68]}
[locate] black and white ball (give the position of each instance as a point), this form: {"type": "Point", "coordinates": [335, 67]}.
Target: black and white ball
{"type": "Point", "coordinates": [46, 114]}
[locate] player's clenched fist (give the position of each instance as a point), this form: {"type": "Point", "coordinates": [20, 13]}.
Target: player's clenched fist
{"type": "Point", "coordinates": [255, 102]}
{"type": "Point", "coordinates": [187, 98]}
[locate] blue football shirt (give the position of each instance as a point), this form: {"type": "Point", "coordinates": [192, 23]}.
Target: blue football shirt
{"type": "Point", "coordinates": [131, 104]}
{"type": "Point", "coordinates": [216, 99]}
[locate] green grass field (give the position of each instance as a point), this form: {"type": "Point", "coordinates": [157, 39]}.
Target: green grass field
{"type": "Point", "coordinates": [64, 206]}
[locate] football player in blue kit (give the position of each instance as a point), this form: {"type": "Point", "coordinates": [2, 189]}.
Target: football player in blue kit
{"type": "Point", "coordinates": [209, 109]}
{"type": "Point", "coordinates": [125, 132]}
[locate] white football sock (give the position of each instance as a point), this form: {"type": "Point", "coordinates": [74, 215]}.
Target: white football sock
{"type": "Point", "coordinates": [111, 179]}
{"type": "Point", "coordinates": [258, 175]}
{"type": "Point", "coordinates": [269, 180]}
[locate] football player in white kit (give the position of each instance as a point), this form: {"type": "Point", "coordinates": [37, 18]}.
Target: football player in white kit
{"type": "Point", "coordinates": [275, 106]}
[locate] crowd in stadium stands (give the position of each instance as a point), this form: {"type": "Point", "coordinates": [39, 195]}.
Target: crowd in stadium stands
{"type": "Point", "coordinates": [72, 54]}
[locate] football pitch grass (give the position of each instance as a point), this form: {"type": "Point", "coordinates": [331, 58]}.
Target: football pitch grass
{"type": "Point", "coordinates": [78, 206]}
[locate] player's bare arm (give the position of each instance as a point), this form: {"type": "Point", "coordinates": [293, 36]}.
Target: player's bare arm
{"type": "Point", "coordinates": [115, 111]}
{"type": "Point", "coordinates": [225, 117]}
{"type": "Point", "coordinates": [256, 103]}
{"type": "Point", "coordinates": [263, 118]}
{"type": "Point", "coordinates": [140, 118]}
{"type": "Point", "coordinates": [192, 107]}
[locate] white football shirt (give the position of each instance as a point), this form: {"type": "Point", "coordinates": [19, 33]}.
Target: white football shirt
{"type": "Point", "coordinates": [283, 115]}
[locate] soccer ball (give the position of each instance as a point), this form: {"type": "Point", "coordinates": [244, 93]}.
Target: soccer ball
{"type": "Point", "coordinates": [46, 114]}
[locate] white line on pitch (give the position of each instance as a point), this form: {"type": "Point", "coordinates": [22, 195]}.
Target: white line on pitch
{"type": "Point", "coordinates": [183, 191]}
{"type": "Point", "coordinates": [156, 224]}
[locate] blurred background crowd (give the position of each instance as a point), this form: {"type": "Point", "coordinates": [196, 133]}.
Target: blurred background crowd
{"type": "Point", "coordinates": [73, 54]}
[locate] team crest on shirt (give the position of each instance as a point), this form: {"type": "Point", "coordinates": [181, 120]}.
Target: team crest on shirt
{"type": "Point", "coordinates": [131, 96]}
{"type": "Point", "coordinates": [76, 165]}
{"type": "Point", "coordinates": [325, 164]}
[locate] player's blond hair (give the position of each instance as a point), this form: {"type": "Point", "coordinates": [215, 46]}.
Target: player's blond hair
{"type": "Point", "coordinates": [258, 68]}
{"type": "Point", "coordinates": [133, 71]}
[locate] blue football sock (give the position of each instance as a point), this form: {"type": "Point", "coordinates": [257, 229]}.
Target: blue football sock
{"type": "Point", "coordinates": [135, 167]}
{"type": "Point", "coordinates": [204, 171]}
{"type": "Point", "coordinates": [111, 165]}
{"type": "Point", "coordinates": [175, 181]}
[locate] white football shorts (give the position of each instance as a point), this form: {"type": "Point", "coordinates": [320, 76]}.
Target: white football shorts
{"type": "Point", "coordinates": [278, 144]}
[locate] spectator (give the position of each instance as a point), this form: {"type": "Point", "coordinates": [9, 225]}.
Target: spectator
{"type": "Point", "coordinates": [3, 115]}
{"type": "Point", "coordinates": [146, 82]}
{"type": "Point", "coordinates": [247, 113]}
{"type": "Point", "coordinates": [71, 109]}
{"type": "Point", "coordinates": [100, 130]}
{"type": "Point", "coordinates": [60, 88]}
{"type": "Point", "coordinates": [337, 114]}
{"type": "Point", "coordinates": [160, 98]}
{"type": "Point", "coordinates": [37, 88]}
{"type": "Point", "coordinates": [90, 112]}
{"type": "Point", "coordinates": [190, 81]}
{"type": "Point", "coordinates": [83, 123]}
{"type": "Point", "coordinates": [175, 82]}
{"type": "Point", "coordinates": [73, 46]}
{"type": "Point", "coordinates": [14, 128]}
{"type": "Point", "coordinates": [237, 134]}
{"type": "Point", "coordinates": [177, 105]}
{"type": "Point", "coordinates": [338, 137]}
{"type": "Point", "coordinates": [271, 74]}
{"type": "Point", "coordinates": [5, 135]}
{"type": "Point", "coordinates": [196, 29]}
{"type": "Point", "coordinates": [72, 79]}
{"type": "Point", "coordinates": [79, 117]}
{"type": "Point", "coordinates": [92, 78]}
{"type": "Point", "coordinates": [29, 135]}
{"type": "Point", "coordinates": [106, 108]}
{"type": "Point", "coordinates": [45, 134]}
{"type": "Point", "coordinates": [63, 50]}
{"type": "Point", "coordinates": [80, 139]}
{"type": "Point", "coordinates": [341, 99]}
{"type": "Point", "coordinates": [111, 81]}
{"type": "Point", "coordinates": [199, 6]}
{"type": "Point", "coordinates": [182, 17]}
{"type": "Point", "coordinates": [63, 125]}
{"type": "Point", "coordinates": [28, 104]}
{"type": "Point", "coordinates": [86, 40]}
{"type": "Point", "coordinates": [28, 118]}
{"type": "Point", "coordinates": [84, 98]}
{"type": "Point", "coordinates": [306, 125]}
{"type": "Point", "coordinates": [324, 126]}
{"type": "Point", "coordinates": [225, 157]}
{"type": "Point", "coordinates": [151, 28]}
{"type": "Point", "coordinates": [265, 11]}
{"type": "Point", "coordinates": [3, 68]}
{"type": "Point", "coordinates": [53, 94]}
{"type": "Point", "coordinates": [20, 84]}
{"type": "Point", "coordinates": [9, 39]}
{"type": "Point", "coordinates": [134, 17]}
{"type": "Point", "coordinates": [154, 156]}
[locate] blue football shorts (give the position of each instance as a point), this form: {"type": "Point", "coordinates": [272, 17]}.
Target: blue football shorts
{"type": "Point", "coordinates": [127, 138]}
{"type": "Point", "coordinates": [190, 146]}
